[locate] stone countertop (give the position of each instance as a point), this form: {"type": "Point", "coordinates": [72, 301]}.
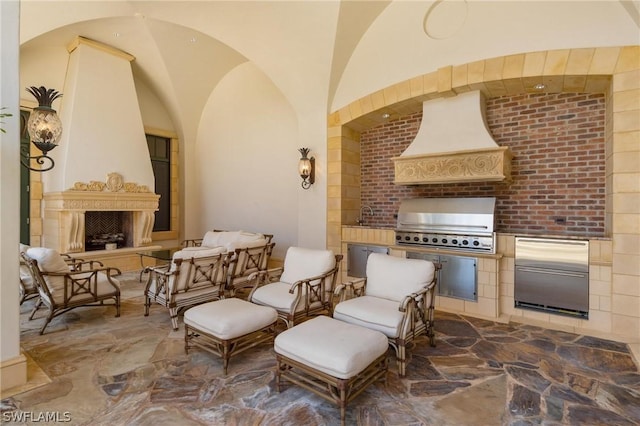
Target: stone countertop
{"type": "Point", "coordinates": [504, 233]}
{"type": "Point", "coordinates": [448, 252]}
{"type": "Point", "coordinates": [553, 236]}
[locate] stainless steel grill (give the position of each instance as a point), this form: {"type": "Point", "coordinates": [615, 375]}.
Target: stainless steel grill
{"type": "Point", "coordinates": [465, 224]}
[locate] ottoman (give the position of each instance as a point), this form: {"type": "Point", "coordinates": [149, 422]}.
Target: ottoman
{"type": "Point", "coordinates": [227, 327]}
{"type": "Point", "coordinates": [334, 359]}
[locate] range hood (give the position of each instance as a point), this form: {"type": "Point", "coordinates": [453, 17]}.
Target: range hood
{"type": "Point", "coordinates": [453, 144]}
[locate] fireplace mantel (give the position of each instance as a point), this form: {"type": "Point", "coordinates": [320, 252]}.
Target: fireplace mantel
{"type": "Point", "coordinates": [64, 212]}
{"type": "Point", "coordinates": [101, 201]}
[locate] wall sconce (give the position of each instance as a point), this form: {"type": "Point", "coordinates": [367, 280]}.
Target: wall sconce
{"type": "Point", "coordinates": [306, 168]}
{"type": "Point", "coordinates": [44, 127]}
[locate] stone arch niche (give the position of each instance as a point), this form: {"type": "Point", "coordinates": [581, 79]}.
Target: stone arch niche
{"type": "Point", "coordinates": [614, 71]}
{"type": "Point", "coordinates": [65, 211]}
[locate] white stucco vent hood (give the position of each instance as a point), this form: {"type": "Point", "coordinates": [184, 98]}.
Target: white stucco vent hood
{"type": "Point", "coordinates": [453, 144]}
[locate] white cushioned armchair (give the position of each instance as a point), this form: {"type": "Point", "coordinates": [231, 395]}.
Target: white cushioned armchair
{"type": "Point", "coordinates": [251, 253]}
{"type": "Point", "coordinates": [396, 298]}
{"type": "Point", "coordinates": [302, 287]}
{"type": "Point", "coordinates": [63, 286]}
{"type": "Point", "coordinates": [192, 277]}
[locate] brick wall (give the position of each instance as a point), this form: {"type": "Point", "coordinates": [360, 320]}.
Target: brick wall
{"type": "Point", "coordinates": [558, 165]}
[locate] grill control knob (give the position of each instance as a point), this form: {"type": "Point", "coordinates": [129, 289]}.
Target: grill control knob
{"type": "Point", "coordinates": [434, 240]}
{"type": "Point", "coordinates": [398, 237]}
{"type": "Point", "coordinates": [454, 241]}
{"type": "Point", "coordinates": [425, 240]}
{"type": "Point", "coordinates": [407, 238]}
{"type": "Point", "coordinates": [416, 239]}
{"type": "Point", "coordinates": [444, 241]}
{"type": "Point", "coordinates": [465, 242]}
{"type": "Point", "coordinates": [476, 243]}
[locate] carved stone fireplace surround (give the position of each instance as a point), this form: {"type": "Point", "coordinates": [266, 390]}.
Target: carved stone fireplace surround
{"type": "Point", "coordinates": [64, 212]}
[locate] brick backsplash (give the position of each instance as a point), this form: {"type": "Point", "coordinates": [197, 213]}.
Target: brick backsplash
{"type": "Point", "coordinates": [558, 165]}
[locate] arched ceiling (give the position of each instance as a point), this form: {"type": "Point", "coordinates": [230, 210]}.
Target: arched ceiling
{"type": "Point", "coordinates": [184, 48]}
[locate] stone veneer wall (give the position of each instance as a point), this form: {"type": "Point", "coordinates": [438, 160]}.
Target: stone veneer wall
{"type": "Point", "coordinates": [612, 70]}
{"type": "Point", "coordinates": [558, 165]}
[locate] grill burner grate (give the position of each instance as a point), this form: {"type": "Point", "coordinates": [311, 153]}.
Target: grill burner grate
{"type": "Point", "coordinates": [464, 224]}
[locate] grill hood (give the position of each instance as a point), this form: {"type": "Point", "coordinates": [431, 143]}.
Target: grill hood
{"type": "Point", "coordinates": [453, 144]}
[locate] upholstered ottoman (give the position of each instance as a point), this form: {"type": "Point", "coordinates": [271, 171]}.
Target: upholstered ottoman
{"type": "Point", "coordinates": [227, 327]}
{"type": "Point", "coordinates": [331, 358]}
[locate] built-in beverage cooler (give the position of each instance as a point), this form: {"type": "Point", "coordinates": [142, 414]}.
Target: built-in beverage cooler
{"type": "Point", "coordinates": [552, 276]}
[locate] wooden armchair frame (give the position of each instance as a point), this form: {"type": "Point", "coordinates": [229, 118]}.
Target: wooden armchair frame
{"type": "Point", "coordinates": [27, 286]}
{"type": "Point", "coordinates": [417, 311]}
{"type": "Point", "coordinates": [245, 263]}
{"type": "Point", "coordinates": [84, 287]}
{"type": "Point", "coordinates": [315, 294]}
{"type": "Point", "coordinates": [186, 282]}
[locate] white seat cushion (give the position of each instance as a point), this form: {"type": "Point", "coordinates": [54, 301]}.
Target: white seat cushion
{"type": "Point", "coordinates": [229, 318]}
{"type": "Point", "coordinates": [371, 312]}
{"type": "Point", "coordinates": [333, 347]}
{"type": "Point", "coordinates": [394, 278]}
{"type": "Point", "coordinates": [276, 295]}
{"type": "Point", "coordinates": [301, 263]}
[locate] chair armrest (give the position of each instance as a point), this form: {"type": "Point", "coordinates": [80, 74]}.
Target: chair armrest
{"type": "Point", "coordinates": [191, 243]}
{"type": "Point", "coordinates": [273, 275]}
{"type": "Point", "coordinates": [162, 269]}
{"type": "Point", "coordinates": [308, 281]}
{"type": "Point", "coordinates": [108, 270]}
{"type": "Point", "coordinates": [93, 264]}
{"type": "Point", "coordinates": [353, 288]}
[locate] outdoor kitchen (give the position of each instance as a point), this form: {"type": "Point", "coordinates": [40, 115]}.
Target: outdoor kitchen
{"type": "Point", "coordinates": [542, 181]}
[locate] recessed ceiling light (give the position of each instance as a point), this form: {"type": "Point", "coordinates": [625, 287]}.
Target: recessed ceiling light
{"type": "Point", "coordinates": [539, 86]}
{"type": "Point", "coordinates": [193, 40]}
{"type": "Point", "coordinates": [116, 34]}
{"type": "Point", "coordinates": [386, 115]}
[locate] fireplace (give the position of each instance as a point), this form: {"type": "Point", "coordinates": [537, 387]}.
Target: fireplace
{"type": "Point", "coordinates": [96, 209]}
{"type": "Point", "coordinates": [107, 230]}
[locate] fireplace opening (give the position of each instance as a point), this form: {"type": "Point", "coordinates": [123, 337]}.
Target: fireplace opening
{"type": "Point", "coordinates": [108, 230]}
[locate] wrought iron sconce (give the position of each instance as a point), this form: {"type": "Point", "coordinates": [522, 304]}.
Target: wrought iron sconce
{"type": "Point", "coordinates": [306, 168]}
{"type": "Point", "coordinates": [44, 127]}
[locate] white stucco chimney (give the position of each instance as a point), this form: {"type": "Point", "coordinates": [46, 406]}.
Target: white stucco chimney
{"type": "Point", "coordinates": [102, 125]}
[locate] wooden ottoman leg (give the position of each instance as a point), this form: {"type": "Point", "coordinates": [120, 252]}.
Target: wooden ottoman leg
{"type": "Point", "coordinates": [186, 339]}
{"type": "Point", "coordinates": [342, 385]}
{"type": "Point", "coordinates": [225, 356]}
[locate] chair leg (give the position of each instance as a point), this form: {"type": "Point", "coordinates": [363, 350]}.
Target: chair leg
{"type": "Point", "coordinates": [174, 317]}
{"type": "Point", "coordinates": [147, 304]}
{"type": "Point", "coordinates": [401, 355]}
{"type": "Point", "coordinates": [46, 322]}
{"type": "Point", "coordinates": [35, 308]}
{"type": "Point", "coordinates": [117, 306]}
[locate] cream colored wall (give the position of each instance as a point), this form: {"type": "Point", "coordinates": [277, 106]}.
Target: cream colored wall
{"type": "Point", "coordinates": [13, 366]}
{"type": "Point", "coordinates": [245, 161]}
{"type": "Point", "coordinates": [490, 29]}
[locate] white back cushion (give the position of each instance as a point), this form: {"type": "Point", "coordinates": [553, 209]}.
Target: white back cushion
{"type": "Point", "coordinates": [393, 278]}
{"type": "Point", "coordinates": [189, 252]}
{"type": "Point", "coordinates": [301, 263]}
{"type": "Point", "coordinates": [25, 275]}
{"type": "Point", "coordinates": [49, 260]}
{"type": "Point", "coordinates": [219, 238]}
{"type": "Point", "coordinates": [232, 240]}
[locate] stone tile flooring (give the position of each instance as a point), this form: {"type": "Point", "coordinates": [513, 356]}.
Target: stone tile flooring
{"type": "Point", "coordinates": [133, 370]}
